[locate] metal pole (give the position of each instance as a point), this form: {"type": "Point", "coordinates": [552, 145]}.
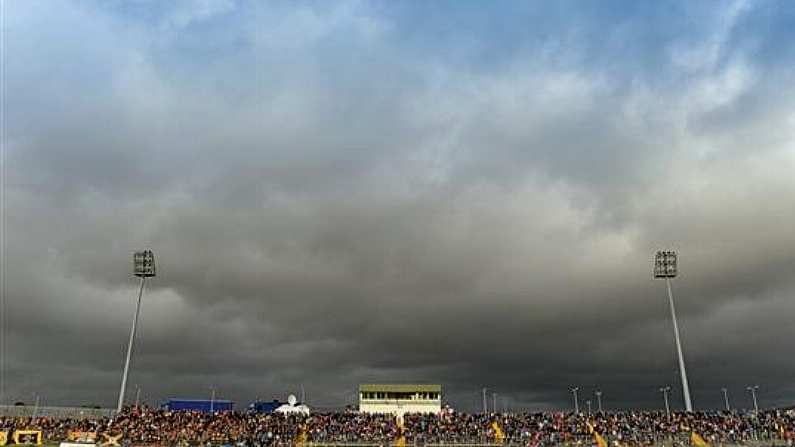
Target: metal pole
{"type": "Point", "coordinates": [36, 407]}
{"type": "Point", "coordinates": [726, 398]}
{"type": "Point", "coordinates": [753, 389]}
{"type": "Point", "coordinates": [576, 402]}
{"type": "Point", "coordinates": [756, 403]}
{"type": "Point", "coordinates": [588, 402]}
{"type": "Point", "coordinates": [494, 401]}
{"type": "Point", "coordinates": [599, 400]}
{"type": "Point", "coordinates": [212, 401]}
{"type": "Point", "coordinates": [665, 396]}
{"type": "Point", "coordinates": [137, 395]}
{"type": "Point", "coordinates": [129, 347]}
{"type": "Point", "coordinates": [485, 407]}
{"type": "Point", "coordinates": [682, 371]}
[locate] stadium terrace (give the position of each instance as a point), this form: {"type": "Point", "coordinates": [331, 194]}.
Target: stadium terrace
{"type": "Point", "coordinates": [159, 427]}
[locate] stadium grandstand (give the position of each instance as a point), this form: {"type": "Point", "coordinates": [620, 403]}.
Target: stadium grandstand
{"type": "Point", "coordinates": [161, 427]}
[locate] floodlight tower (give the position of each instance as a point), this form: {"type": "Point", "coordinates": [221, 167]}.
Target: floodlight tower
{"type": "Point", "coordinates": [143, 267]}
{"type": "Point", "coordinates": [598, 394]}
{"type": "Point", "coordinates": [665, 267]}
{"type": "Point", "coordinates": [664, 390]}
{"type": "Point", "coordinates": [753, 390]}
{"type": "Point", "coordinates": [726, 399]}
{"type": "Point", "coordinates": [576, 401]}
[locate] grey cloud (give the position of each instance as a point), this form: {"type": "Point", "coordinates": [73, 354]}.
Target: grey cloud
{"type": "Point", "coordinates": [388, 221]}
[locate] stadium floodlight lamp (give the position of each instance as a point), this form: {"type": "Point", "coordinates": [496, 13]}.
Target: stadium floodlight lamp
{"type": "Point", "coordinates": [665, 264]}
{"type": "Point", "coordinates": [143, 267]}
{"type": "Point", "coordinates": [666, 267]}
{"type": "Point", "coordinates": [144, 264]}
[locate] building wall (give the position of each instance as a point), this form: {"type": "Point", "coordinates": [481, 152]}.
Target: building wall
{"type": "Point", "coordinates": [400, 398]}
{"type": "Point", "coordinates": [400, 407]}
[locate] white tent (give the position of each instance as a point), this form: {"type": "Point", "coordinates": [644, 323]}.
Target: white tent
{"type": "Point", "coordinates": [291, 408]}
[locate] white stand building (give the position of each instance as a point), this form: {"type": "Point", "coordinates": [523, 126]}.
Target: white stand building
{"type": "Point", "coordinates": [399, 399]}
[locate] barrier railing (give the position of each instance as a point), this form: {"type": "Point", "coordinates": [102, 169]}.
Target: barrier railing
{"type": "Point", "coordinates": [55, 412]}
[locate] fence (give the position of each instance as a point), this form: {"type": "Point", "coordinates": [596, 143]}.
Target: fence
{"type": "Point", "coordinates": [55, 412]}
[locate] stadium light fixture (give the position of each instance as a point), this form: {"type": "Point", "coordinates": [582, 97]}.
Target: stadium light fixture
{"type": "Point", "coordinates": [753, 390]}
{"type": "Point", "coordinates": [576, 402]}
{"type": "Point", "coordinates": [726, 398]}
{"type": "Point", "coordinates": [666, 267]}
{"type": "Point", "coordinates": [664, 390]}
{"type": "Point", "coordinates": [598, 394]}
{"type": "Point", "coordinates": [143, 267]}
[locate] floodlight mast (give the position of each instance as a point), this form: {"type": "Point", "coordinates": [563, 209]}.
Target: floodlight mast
{"type": "Point", "coordinates": [576, 401]}
{"type": "Point", "coordinates": [665, 267]}
{"type": "Point", "coordinates": [665, 391]}
{"type": "Point", "coordinates": [753, 390]}
{"type": "Point", "coordinates": [726, 399]}
{"type": "Point", "coordinates": [143, 267]}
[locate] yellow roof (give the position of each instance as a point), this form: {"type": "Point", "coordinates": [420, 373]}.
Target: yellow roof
{"type": "Point", "coordinates": [400, 388]}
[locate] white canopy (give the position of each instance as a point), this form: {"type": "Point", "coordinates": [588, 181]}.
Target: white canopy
{"type": "Point", "coordinates": [291, 407]}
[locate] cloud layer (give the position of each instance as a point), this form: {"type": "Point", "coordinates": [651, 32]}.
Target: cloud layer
{"type": "Point", "coordinates": [376, 192]}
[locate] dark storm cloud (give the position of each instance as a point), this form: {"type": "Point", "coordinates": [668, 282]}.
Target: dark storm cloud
{"type": "Point", "coordinates": [332, 202]}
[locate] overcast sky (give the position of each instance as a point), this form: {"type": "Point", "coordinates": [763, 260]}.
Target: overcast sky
{"type": "Point", "coordinates": [467, 193]}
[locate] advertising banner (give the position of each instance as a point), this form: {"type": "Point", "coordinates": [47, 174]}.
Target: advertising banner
{"type": "Point", "coordinates": [27, 437]}
{"type": "Point", "coordinates": [83, 436]}
{"type": "Point", "coordinates": [111, 440]}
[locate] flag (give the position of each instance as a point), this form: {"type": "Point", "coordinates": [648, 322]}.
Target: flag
{"type": "Point", "coordinates": [302, 436]}
{"type": "Point", "coordinates": [600, 441]}
{"type": "Point", "coordinates": [400, 440]}
{"type": "Point", "coordinates": [111, 440]}
{"type": "Point", "coordinates": [499, 435]}
{"type": "Point", "coordinates": [697, 440]}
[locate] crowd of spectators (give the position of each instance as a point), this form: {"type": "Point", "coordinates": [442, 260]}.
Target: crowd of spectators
{"type": "Point", "coordinates": [147, 426]}
{"type": "Point", "coordinates": [624, 428]}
